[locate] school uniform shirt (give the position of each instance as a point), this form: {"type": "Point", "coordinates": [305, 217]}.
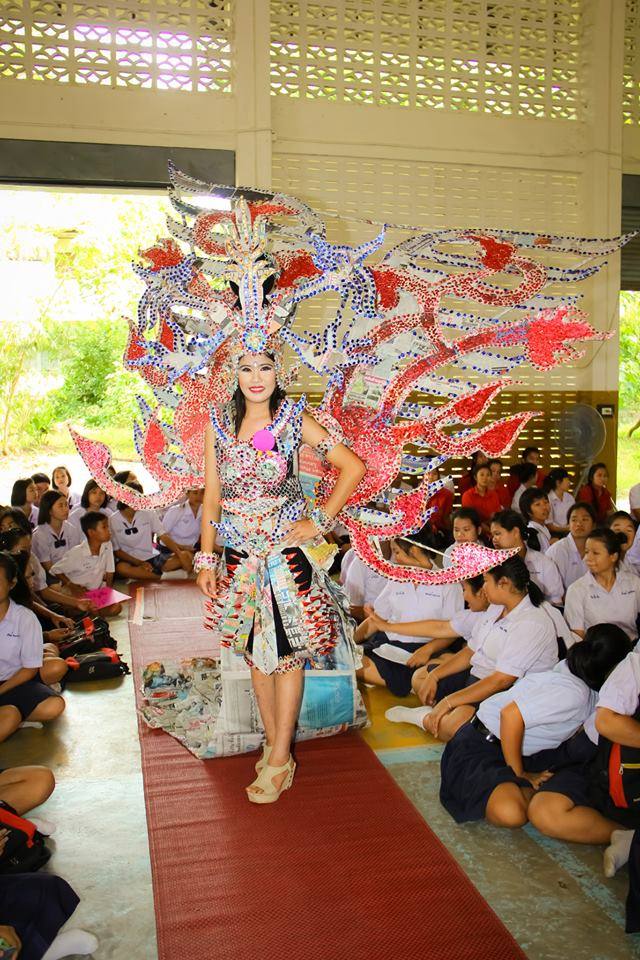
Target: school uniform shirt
{"type": "Point", "coordinates": [50, 546]}
{"type": "Point", "coordinates": [20, 641]}
{"type": "Point", "coordinates": [361, 583]}
{"type": "Point", "coordinates": [522, 641]}
{"type": "Point", "coordinates": [33, 516]}
{"type": "Point", "coordinates": [634, 497]}
{"type": "Point", "coordinates": [515, 503]}
{"type": "Point", "coordinates": [465, 622]}
{"type": "Point", "coordinates": [560, 507]}
{"type": "Point", "coordinates": [136, 538]}
{"type": "Point", "coordinates": [620, 692]}
{"type": "Point", "coordinates": [406, 602]}
{"type": "Point", "coordinates": [86, 568]}
{"type": "Point", "coordinates": [74, 500]}
{"type": "Point", "coordinates": [180, 523]}
{"type": "Point", "coordinates": [565, 555]}
{"type": "Point", "coordinates": [485, 506]}
{"type": "Point", "coordinates": [545, 575]}
{"type": "Point", "coordinates": [588, 603]}
{"type": "Point", "coordinates": [544, 534]}
{"type": "Point", "coordinates": [76, 515]}
{"type": "Point", "coordinates": [553, 704]}
{"type": "Point", "coordinates": [39, 574]}
{"type": "Point", "coordinates": [633, 553]}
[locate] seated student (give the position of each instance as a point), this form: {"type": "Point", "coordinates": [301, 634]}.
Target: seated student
{"type": "Point", "coordinates": [441, 503]}
{"type": "Point", "coordinates": [93, 498]}
{"type": "Point", "coordinates": [467, 528]}
{"type": "Point", "coordinates": [17, 542]}
{"type": "Point", "coordinates": [61, 480]}
{"type": "Point", "coordinates": [22, 696]}
{"type": "Point", "coordinates": [508, 530]}
{"type": "Point", "coordinates": [557, 485]}
{"type": "Point", "coordinates": [512, 638]}
{"type": "Point", "coordinates": [361, 584]}
{"type": "Point", "coordinates": [497, 483]}
{"type": "Point", "coordinates": [606, 594]}
{"type": "Point", "coordinates": [54, 535]}
{"type": "Point", "coordinates": [26, 787]}
{"type": "Point", "coordinates": [42, 483]}
{"type": "Point", "coordinates": [634, 501]}
{"type": "Point", "coordinates": [622, 522]}
{"type": "Point", "coordinates": [12, 518]}
{"type": "Point", "coordinates": [54, 667]}
{"type": "Point", "coordinates": [90, 565]}
{"type": "Point", "coordinates": [182, 521]}
{"type": "Point", "coordinates": [568, 553]}
{"type": "Point", "coordinates": [532, 455]}
{"type": "Point", "coordinates": [132, 533]}
{"type": "Point", "coordinates": [527, 475]}
{"type": "Point", "coordinates": [401, 602]}
{"type": "Point", "coordinates": [466, 481]}
{"type": "Point", "coordinates": [23, 497]}
{"type": "Point", "coordinates": [481, 497]}
{"type": "Point", "coordinates": [595, 492]}
{"type": "Point", "coordinates": [536, 509]}
{"type": "Point", "coordinates": [575, 804]}
{"type": "Point", "coordinates": [122, 476]}
{"type": "Point", "coordinates": [520, 736]}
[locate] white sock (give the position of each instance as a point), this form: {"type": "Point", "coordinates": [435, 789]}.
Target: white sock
{"type": "Point", "coordinates": [31, 723]}
{"type": "Point", "coordinates": [175, 575]}
{"type": "Point", "coordinates": [45, 827]}
{"type": "Point", "coordinates": [408, 715]}
{"type": "Point", "coordinates": [71, 942]}
{"type": "Point", "coordinates": [617, 853]}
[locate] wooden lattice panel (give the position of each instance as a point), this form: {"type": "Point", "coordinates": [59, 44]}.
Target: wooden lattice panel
{"type": "Point", "coordinates": [631, 88]}
{"type": "Point", "coordinates": [150, 44]}
{"type": "Point", "coordinates": [515, 57]}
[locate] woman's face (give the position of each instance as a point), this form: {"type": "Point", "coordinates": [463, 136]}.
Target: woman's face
{"type": "Point", "coordinates": [61, 478]}
{"type": "Point", "coordinates": [464, 530]}
{"type": "Point", "coordinates": [564, 485]}
{"type": "Point", "coordinates": [23, 545]}
{"type": "Point", "coordinates": [5, 585]}
{"type": "Point", "coordinates": [496, 471]}
{"type": "Point", "coordinates": [580, 524]}
{"type": "Point", "coordinates": [97, 498]}
{"type": "Point", "coordinates": [477, 602]}
{"type": "Point", "coordinates": [495, 591]}
{"type": "Point", "coordinates": [597, 558]}
{"type": "Point", "coordinates": [29, 575]}
{"type": "Point", "coordinates": [8, 523]}
{"type": "Point", "coordinates": [540, 510]}
{"type": "Point", "coordinates": [600, 477]}
{"type": "Point", "coordinates": [31, 493]}
{"type": "Point", "coordinates": [483, 477]}
{"type": "Point", "coordinates": [400, 556]}
{"type": "Point", "coordinates": [60, 509]}
{"type": "Point", "coordinates": [257, 377]}
{"type": "Point", "coordinates": [622, 525]}
{"type": "Point", "coordinates": [505, 539]}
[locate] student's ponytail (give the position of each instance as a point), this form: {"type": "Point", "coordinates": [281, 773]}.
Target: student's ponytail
{"type": "Point", "coordinates": [535, 593]}
{"type": "Point", "coordinates": [516, 570]}
{"type": "Point", "coordinates": [532, 539]}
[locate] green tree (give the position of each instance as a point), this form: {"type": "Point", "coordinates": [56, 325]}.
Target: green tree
{"type": "Point", "coordinates": [630, 354]}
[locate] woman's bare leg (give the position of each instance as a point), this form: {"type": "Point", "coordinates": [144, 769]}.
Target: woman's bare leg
{"type": "Point", "coordinates": [368, 673]}
{"type": "Point", "coordinates": [451, 723]}
{"type": "Point", "coordinates": [507, 805]}
{"type": "Point", "coordinates": [264, 687]}
{"type": "Point", "coordinates": [557, 816]}
{"type": "Point", "coordinates": [289, 687]}
{"type": "Point", "coordinates": [24, 788]}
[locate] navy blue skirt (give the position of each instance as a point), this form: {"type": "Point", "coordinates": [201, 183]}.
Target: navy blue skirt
{"type": "Point", "coordinates": [397, 676]}
{"type": "Point", "coordinates": [26, 697]}
{"type": "Point", "coordinates": [36, 905]}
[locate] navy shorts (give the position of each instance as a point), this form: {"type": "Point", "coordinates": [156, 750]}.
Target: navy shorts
{"type": "Point", "coordinates": [453, 683]}
{"type": "Point", "coordinates": [26, 697]}
{"type": "Point", "coordinates": [158, 561]}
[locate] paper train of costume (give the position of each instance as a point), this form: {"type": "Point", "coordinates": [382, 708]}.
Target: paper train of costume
{"type": "Point", "coordinates": [448, 315]}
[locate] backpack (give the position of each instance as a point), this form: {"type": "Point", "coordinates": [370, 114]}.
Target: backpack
{"type": "Point", "coordinates": [25, 850]}
{"type": "Point", "coordinates": [89, 634]}
{"type": "Point", "coordinates": [100, 665]}
{"type": "Point", "coordinates": [616, 781]}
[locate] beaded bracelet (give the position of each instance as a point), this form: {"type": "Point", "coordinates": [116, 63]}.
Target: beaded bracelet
{"type": "Point", "coordinates": [322, 520]}
{"type": "Point", "coordinates": [205, 561]}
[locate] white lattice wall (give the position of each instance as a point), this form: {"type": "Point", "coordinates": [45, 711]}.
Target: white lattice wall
{"type": "Point", "coordinates": [150, 44]}
{"type": "Point", "coordinates": [631, 92]}
{"type": "Point", "coordinates": [513, 57]}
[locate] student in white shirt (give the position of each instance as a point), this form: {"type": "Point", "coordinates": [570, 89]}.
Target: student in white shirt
{"type": "Point", "coordinates": [634, 501]}
{"type": "Point", "coordinates": [54, 535]}
{"type": "Point", "coordinates": [132, 533]}
{"type": "Point", "coordinates": [557, 484]}
{"type": "Point", "coordinates": [575, 804]}
{"type": "Point", "coordinates": [402, 602]}
{"type": "Point", "coordinates": [605, 594]}
{"type": "Point", "coordinates": [54, 667]}
{"type": "Point", "coordinates": [509, 530]}
{"type": "Point", "coordinates": [93, 498]}
{"type": "Point", "coordinates": [22, 695]}
{"type": "Point", "coordinates": [514, 637]}
{"type": "Point", "coordinates": [520, 736]}
{"type": "Point", "coordinates": [568, 553]}
{"type": "Point", "coordinates": [23, 497]}
{"type": "Point", "coordinates": [182, 521]}
{"type": "Point", "coordinates": [90, 565]}
{"type": "Point", "coordinates": [361, 584]}
{"type": "Point", "coordinates": [61, 480]}
{"type": "Point", "coordinates": [536, 509]}
{"type": "Point", "coordinates": [622, 522]}
{"type": "Point", "coordinates": [528, 473]}
{"type": "Point", "coordinates": [467, 528]}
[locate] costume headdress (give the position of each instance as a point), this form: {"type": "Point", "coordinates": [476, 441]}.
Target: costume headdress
{"type": "Point", "coordinates": [431, 314]}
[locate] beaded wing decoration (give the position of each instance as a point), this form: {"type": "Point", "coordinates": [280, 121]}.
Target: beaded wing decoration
{"type": "Point", "coordinates": [447, 315]}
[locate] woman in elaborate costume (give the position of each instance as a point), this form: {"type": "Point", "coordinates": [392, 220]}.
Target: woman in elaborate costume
{"type": "Point", "coordinates": [253, 495]}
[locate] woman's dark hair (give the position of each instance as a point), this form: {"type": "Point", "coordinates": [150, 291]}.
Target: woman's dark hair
{"type": "Point", "coordinates": [528, 498]}
{"type": "Point", "coordinates": [493, 460]}
{"type": "Point", "coordinates": [516, 570]}
{"type": "Point", "coordinates": [135, 485]}
{"type": "Point", "coordinates": [40, 478]}
{"type": "Point", "coordinates": [21, 593]}
{"type": "Point", "coordinates": [476, 583]}
{"type": "Point", "coordinates": [512, 520]}
{"type": "Point", "coordinates": [474, 459]}
{"type": "Point", "coordinates": [88, 487]}
{"type": "Point", "coordinates": [613, 542]}
{"type": "Point", "coordinates": [587, 507]}
{"type": "Point", "coordinates": [18, 518]}
{"type": "Point", "coordinates": [122, 476]}
{"type": "Point", "coordinates": [527, 471]}
{"type": "Point", "coordinates": [479, 466]}
{"type": "Point", "coordinates": [467, 513]}
{"type": "Point", "coordinates": [9, 539]}
{"type": "Point", "coordinates": [240, 402]}
{"type": "Point", "coordinates": [553, 478]}
{"type": "Point", "coordinates": [53, 473]}
{"type": "Point", "coordinates": [527, 450]}
{"type": "Point", "coordinates": [47, 500]}
{"type": "Point", "coordinates": [604, 646]}
{"type": "Point", "coordinates": [19, 491]}
{"type": "Point", "coordinates": [592, 471]}
{"type": "Point", "coordinates": [623, 515]}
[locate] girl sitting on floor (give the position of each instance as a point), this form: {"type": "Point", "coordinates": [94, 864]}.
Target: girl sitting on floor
{"type": "Point", "coordinates": [23, 497]}
{"type": "Point", "coordinates": [61, 480]}
{"type": "Point", "coordinates": [520, 736]}
{"type": "Point", "coordinates": [606, 594]}
{"type": "Point", "coordinates": [622, 522]}
{"type": "Point", "coordinates": [93, 498]}
{"type": "Point", "coordinates": [509, 530]}
{"type": "Point", "coordinates": [557, 485]}
{"type": "Point", "coordinates": [482, 497]}
{"type": "Point", "coordinates": [512, 638]}
{"type": "Point", "coordinates": [536, 509]}
{"type": "Point", "coordinates": [362, 585]}
{"type": "Point", "coordinates": [53, 668]}
{"type": "Point", "coordinates": [22, 696]}
{"type": "Point", "coordinates": [403, 602]}
{"type": "Point", "coordinates": [568, 553]}
{"type": "Point", "coordinates": [596, 493]}
{"type": "Point", "coordinates": [467, 528]}
{"type": "Point", "coordinates": [54, 535]}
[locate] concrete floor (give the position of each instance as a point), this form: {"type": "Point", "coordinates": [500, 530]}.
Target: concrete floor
{"type": "Point", "coordinates": [552, 896]}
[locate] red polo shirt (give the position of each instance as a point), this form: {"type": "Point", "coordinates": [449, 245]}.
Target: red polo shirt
{"type": "Point", "coordinates": [600, 501]}
{"type": "Point", "coordinates": [440, 519]}
{"type": "Point", "coordinates": [485, 505]}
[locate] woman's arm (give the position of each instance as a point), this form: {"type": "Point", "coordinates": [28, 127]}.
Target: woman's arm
{"type": "Point", "coordinates": [23, 675]}
{"type": "Point", "coordinates": [211, 499]}
{"type": "Point", "coordinates": [617, 727]}
{"type": "Point", "coordinates": [479, 691]}
{"type": "Point", "coordinates": [511, 738]}
{"type": "Point", "coordinates": [434, 629]}
{"type": "Point", "coordinates": [459, 661]}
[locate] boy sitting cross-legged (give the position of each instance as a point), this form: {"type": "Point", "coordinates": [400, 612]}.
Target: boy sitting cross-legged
{"type": "Point", "coordinates": [90, 565]}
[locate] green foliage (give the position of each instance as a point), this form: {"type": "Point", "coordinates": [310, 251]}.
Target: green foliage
{"type": "Point", "coordinates": [630, 353]}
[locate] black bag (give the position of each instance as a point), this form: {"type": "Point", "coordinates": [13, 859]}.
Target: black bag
{"type": "Point", "coordinates": [25, 850]}
{"type": "Point", "coordinates": [100, 665]}
{"type": "Point", "coordinates": [616, 781]}
{"type": "Point", "coordinates": [90, 634]}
